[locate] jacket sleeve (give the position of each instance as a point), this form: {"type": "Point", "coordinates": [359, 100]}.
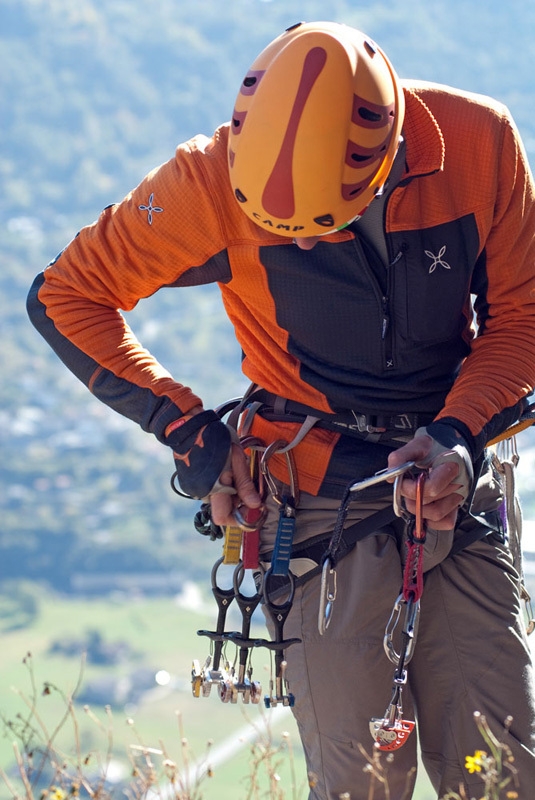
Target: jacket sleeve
{"type": "Point", "coordinates": [151, 239]}
{"type": "Point", "coordinates": [499, 373]}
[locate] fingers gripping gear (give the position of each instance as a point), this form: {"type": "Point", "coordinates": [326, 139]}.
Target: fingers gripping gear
{"type": "Point", "coordinates": [458, 454]}
{"type": "Point", "coordinates": [201, 448]}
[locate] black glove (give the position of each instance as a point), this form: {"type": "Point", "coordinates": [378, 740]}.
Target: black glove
{"type": "Point", "coordinates": [201, 448]}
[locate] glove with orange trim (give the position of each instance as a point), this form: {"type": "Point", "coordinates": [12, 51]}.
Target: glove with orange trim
{"type": "Point", "coordinates": [201, 448]}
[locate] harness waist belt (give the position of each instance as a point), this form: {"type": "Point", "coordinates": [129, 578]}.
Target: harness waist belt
{"type": "Point", "coordinates": [316, 548]}
{"type": "Point", "coordinates": [279, 408]}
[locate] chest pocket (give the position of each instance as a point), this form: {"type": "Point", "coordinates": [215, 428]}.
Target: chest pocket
{"type": "Point", "coordinates": [431, 281]}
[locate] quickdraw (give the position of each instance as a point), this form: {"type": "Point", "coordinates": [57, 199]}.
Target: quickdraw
{"type": "Point", "coordinates": [391, 731]}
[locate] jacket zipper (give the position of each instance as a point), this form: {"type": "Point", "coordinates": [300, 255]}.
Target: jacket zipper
{"type": "Point", "coordinates": [386, 330]}
{"type": "Point", "coordinates": [384, 301]}
{"type": "Point", "coordinates": [386, 334]}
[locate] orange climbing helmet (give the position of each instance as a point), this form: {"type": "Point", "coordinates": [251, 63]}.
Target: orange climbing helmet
{"type": "Point", "coordinates": [315, 129]}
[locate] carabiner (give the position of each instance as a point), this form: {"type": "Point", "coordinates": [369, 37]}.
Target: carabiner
{"type": "Point", "coordinates": [382, 475]}
{"type": "Point", "coordinates": [409, 631]}
{"type": "Point", "coordinates": [327, 595]}
{"type": "Point", "coordinates": [280, 446]}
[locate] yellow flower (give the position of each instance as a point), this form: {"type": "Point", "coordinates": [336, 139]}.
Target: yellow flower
{"type": "Point", "coordinates": [474, 763]}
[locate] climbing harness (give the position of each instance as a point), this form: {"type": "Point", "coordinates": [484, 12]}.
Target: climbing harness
{"type": "Point", "coordinates": [276, 584]}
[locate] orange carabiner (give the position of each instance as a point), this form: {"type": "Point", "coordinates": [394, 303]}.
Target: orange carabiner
{"type": "Point", "coordinates": [419, 524]}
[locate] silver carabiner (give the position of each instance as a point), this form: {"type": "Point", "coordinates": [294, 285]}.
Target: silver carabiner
{"type": "Point", "coordinates": [410, 629]}
{"type": "Point", "coordinates": [397, 501]}
{"type": "Point", "coordinates": [382, 475]}
{"type": "Point", "coordinates": [327, 595]}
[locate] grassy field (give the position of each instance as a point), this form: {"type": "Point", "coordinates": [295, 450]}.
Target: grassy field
{"type": "Point", "coordinates": [161, 638]}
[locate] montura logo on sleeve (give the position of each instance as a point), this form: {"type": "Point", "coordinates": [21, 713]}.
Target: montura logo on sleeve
{"type": "Point", "coordinates": [150, 208]}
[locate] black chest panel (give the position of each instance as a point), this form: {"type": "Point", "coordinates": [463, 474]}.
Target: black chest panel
{"type": "Point", "coordinates": [371, 337]}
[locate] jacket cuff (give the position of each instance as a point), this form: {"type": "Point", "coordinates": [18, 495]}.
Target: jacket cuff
{"type": "Point", "coordinates": [451, 433]}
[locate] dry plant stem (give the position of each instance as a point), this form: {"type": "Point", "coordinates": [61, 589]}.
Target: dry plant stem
{"type": "Point", "coordinates": [31, 704]}
{"type": "Point", "coordinates": [184, 752]}
{"type": "Point", "coordinates": [14, 794]}
{"type": "Point", "coordinates": [292, 767]}
{"type": "Point", "coordinates": [376, 771]}
{"type": "Point", "coordinates": [22, 772]}
{"type": "Point", "coordinates": [493, 779]}
{"type": "Point", "coordinates": [104, 763]}
{"type": "Point", "coordinates": [408, 786]}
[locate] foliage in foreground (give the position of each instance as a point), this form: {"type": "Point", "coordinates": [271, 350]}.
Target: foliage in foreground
{"type": "Point", "coordinates": [45, 771]}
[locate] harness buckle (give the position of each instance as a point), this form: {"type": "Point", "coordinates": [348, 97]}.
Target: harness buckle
{"type": "Point", "coordinates": [364, 423]}
{"type": "Point", "coordinates": [402, 422]}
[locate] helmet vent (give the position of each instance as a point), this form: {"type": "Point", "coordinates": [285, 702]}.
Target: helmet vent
{"type": "Point", "coordinates": [359, 157]}
{"type": "Point", "coordinates": [240, 197]}
{"type": "Point", "coordinates": [369, 115]}
{"type": "Point", "coordinates": [372, 50]}
{"type": "Point", "coordinates": [326, 220]}
{"type": "Point", "coordinates": [249, 81]}
{"type": "Point", "coordinates": [238, 118]}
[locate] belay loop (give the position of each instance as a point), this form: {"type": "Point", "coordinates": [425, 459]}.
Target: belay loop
{"type": "Point", "coordinates": [392, 731]}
